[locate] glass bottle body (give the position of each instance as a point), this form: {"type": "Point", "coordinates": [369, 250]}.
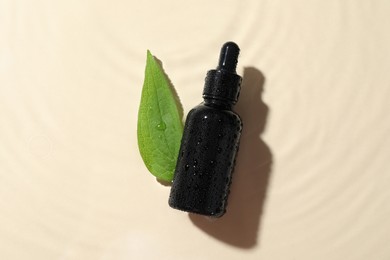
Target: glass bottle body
{"type": "Point", "coordinates": [206, 159]}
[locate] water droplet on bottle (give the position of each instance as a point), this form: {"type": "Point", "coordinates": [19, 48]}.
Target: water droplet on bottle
{"type": "Point", "coordinates": [186, 167]}
{"type": "Point", "coordinates": [195, 162]}
{"type": "Point", "coordinates": [211, 162]}
{"type": "Point", "coordinates": [161, 126]}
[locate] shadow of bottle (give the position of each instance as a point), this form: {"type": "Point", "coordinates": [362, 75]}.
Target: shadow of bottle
{"type": "Point", "coordinates": [241, 223]}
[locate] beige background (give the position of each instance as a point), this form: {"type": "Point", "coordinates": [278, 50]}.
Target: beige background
{"type": "Point", "coordinates": [316, 91]}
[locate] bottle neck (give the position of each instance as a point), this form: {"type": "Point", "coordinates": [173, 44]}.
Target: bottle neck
{"type": "Point", "coordinates": [218, 103]}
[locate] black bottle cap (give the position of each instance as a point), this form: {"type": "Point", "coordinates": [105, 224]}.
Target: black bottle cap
{"type": "Point", "coordinates": [223, 83]}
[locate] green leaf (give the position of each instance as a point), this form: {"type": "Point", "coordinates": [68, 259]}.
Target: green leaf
{"type": "Point", "coordinates": [160, 126]}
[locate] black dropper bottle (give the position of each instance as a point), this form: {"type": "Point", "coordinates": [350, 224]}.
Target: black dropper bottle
{"type": "Point", "coordinates": [210, 141]}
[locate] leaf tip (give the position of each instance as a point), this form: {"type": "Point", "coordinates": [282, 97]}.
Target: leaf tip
{"type": "Point", "coordinates": [149, 54]}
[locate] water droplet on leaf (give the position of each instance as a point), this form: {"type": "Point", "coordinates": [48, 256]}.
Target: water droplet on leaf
{"type": "Point", "coordinates": [161, 126]}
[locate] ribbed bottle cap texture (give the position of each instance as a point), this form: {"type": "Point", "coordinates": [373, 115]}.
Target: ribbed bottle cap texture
{"type": "Point", "coordinates": [223, 83]}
